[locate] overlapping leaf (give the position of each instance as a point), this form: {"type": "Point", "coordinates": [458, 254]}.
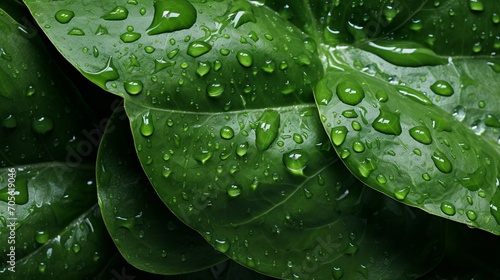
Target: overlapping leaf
{"type": "Point", "coordinates": [147, 234]}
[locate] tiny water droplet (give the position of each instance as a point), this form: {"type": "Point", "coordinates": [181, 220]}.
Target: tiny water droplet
{"type": "Point", "coordinates": [172, 16]}
{"type": "Point", "coordinates": [198, 48]}
{"type": "Point", "coordinates": [448, 208]}
{"type": "Point", "coordinates": [350, 93]}
{"type": "Point", "coordinates": [421, 134]}
{"type": "Point", "coordinates": [42, 125]}
{"type": "Point", "coordinates": [442, 88]}
{"type": "Point", "coordinates": [133, 87]}
{"type": "Point", "coordinates": [118, 13]}
{"type": "Point", "coordinates": [296, 161]}
{"type": "Point", "coordinates": [442, 162]}
{"type": "Point", "coordinates": [147, 127]}
{"type": "Point", "coordinates": [226, 132]}
{"type": "Point", "coordinates": [64, 16]}
{"type": "Point", "coordinates": [388, 123]}
{"type": "Point", "coordinates": [245, 58]}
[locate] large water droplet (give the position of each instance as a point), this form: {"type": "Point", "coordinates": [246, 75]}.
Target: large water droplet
{"type": "Point", "coordinates": [108, 73]}
{"type": "Point", "coordinates": [338, 135]}
{"type": "Point", "coordinates": [130, 36]}
{"type": "Point", "coordinates": [172, 16]}
{"type": "Point", "coordinates": [215, 90]}
{"type": "Point", "coordinates": [296, 161]}
{"type": "Point", "coordinates": [133, 87]}
{"type": "Point", "coordinates": [222, 245]}
{"type": "Point", "coordinates": [118, 13]}
{"type": "Point", "coordinates": [448, 208]}
{"type": "Point", "coordinates": [64, 16]}
{"type": "Point", "coordinates": [198, 48]}
{"type": "Point", "coordinates": [42, 125]}
{"type": "Point", "coordinates": [242, 149]}
{"type": "Point", "coordinates": [204, 68]}
{"type": "Point", "coordinates": [337, 273]}
{"type": "Point", "coordinates": [388, 123]}
{"type": "Point", "coordinates": [421, 134]}
{"type": "Point", "coordinates": [226, 132]}
{"type": "Point", "coordinates": [401, 194]}
{"type": "Point", "coordinates": [41, 237]}
{"type": "Point", "coordinates": [245, 58]}
{"type": "Point", "coordinates": [234, 190]}
{"type": "Point", "coordinates": [414, 94]}
{"type": "Point", "coordinates": [350, 93]}
{"type": "Point", "coordinates": [442, 162]}
{"type": "Point", "coordinates": [267, 129]}
{"type": "Point", "coordinates": [476, 5]}
{"type": "Point", "coordinates": [147, 127]}
{"type": "Point", "coordinates": [442, 88]}
{"type": "Point", "coordinates": [238, 13]}
{"type": "Point", "coordinates": [323, 94]}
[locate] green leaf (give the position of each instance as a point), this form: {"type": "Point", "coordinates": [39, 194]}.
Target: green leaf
{"type": "Point", "coordinates": [50, 222]}
{"type": "Point", "coordinates": [289, 209]}
{"type": "Point", "coordinates": [229, 57]}
{"type": "Point", "coordinates": [396, 140]}
{"type": "Point", "coordinates": [42, 117]}
{"type": "Point", "coordinates": [147, 234]}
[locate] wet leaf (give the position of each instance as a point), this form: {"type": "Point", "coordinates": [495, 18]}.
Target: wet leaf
{"type": "Point", "coordinates": [147, 234]}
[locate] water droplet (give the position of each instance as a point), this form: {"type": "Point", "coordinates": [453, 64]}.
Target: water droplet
{"type": "Point", "coordinates": [448, 208]}
{"type": "Point", "coordinates": [296, 161]}
{"type": "Point", "coordinates": [350, 114]}
{"type": "Point", "coordinates": [267, 129]}
{"type": "Point", "coordinates": [129, 37]}
{"type": "Point", "coordinates": [238, 13]}
{"type": "Point", "coordinates": [390, 12]}
{"type": "Point", "coordinates": [172, 16]}
{"type": "Point", "coordinates": [133, 87]}
{"type": "Point", "coordinates": [166, 172]}
{"type": "Point", "coordinates": [414, 94]}
{"type": "Point", "coordinates": [10, 122]}
{"type": "Point", "coordinates": [222, 245]}
{"type": "Point", "coordinates": [5, 55]}
{"type": "Point", "coordinates": [381, 179]}
{"type": "Point", "coordinates": [442, 88]}
{"type": "Point", "coordinates": [76, 248]}
{"type": "Point", "coordinates": [338, 135]}
{"type": "Point", "coordinates": [215, 90]}
{"type": "Point", "coordinates": [298, 138]}
{"type": "Point", "coordinates": [198, 48]}
{"type": "Point", "coordinates": [108, 73]}
{"type": "Point", "coordinates": [41, 237]}
{"type": "Point", "coordinates": [41, 267]}
{"type": "Point", "coordinates": [75, 31]}
{"type": "Point", "coordinates": [42, 125]}
{"type": "Point", "coordinates": [203, 68]}
{"type": "Point", "coordinates": [242, 149]}
{"type": "Point", "coordinates": [345, 154]}
{"type": "Point", "coordinates": [471, 215]}
{"type": "Point", "coordinates": [203, 156]}
{"type": "Point", "coordinates": [442, 162]}
{"type": "Point", "coordinates": [421, 134]}
{"type": "Point", "coordinates": [245, 58]}
{"type": "Point", "coordinates": [234, 190]}
{"type": "Point", "coordinates": [147, 127]}
{"type": "Point", "coordinates": [388, 123]}
{"type": "Point", "coordinates": [322, 93]}
{"type": "Point", "coordinates": [476, 5]}
{"type": "Point", "coordinates": [118, 13]}
{"type": "Point", "coordinates": [358, 147]}
{"type": "Point", "coordinates": [356, 126]}
{"type": "Point", "coordinates": [350, 93]}
{"type": "Point", "coordinates": [64, 16]}
{"type": "Point", "coordinates": [495, 206]}
{"type": "Point", "coordinates": [401, 194]}
{"type": "Point", "coordinates": [351, 249]}
{"type": "Point", "coordinates": [30, 91]}
{"type": "Point", "coordinates": [337, 273]}
{"type": "Point", "coordinates": [226, 132]}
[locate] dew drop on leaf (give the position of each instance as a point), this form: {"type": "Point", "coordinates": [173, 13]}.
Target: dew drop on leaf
{"type": "Point", "coordinates": [337, 273]}
{"type": "Point", "coordinates": [41, 237]}
{"type": "Point", "coordinates": [245, 58]}
{"type": "Point", "coordinates": [267, 129]}
{"type": "Point", "coordinates": [338, 135]}
{"type": "Point", "coordinates": [222, 245]}
{"type": "Point", "coordinates": [203, 68]}
{"type": "Point", "coordinates": [242, 149]}
{"type": "Point", "coordinates": [476, 5]}
{"type": "Point", "coordinates": [172, 16]}
{"type": "Point", "coordinates": [442, 88]}
{"type": "Point", "coordinates": [166, 172]}
{"type": "Point", "coordinates": [30, 91]}
{"type": "Point", "coordinates": [130, 36]}
{"type": "Point", "coordinates": [147, 128]}
{"type": "Point", "coordinates": [358, 147]}
{"type": "Point", "coordinates": [238, 13]}
{"type": "Point", "coordinates": [215, 90]}
{"type": "Point", "coordinates": [322, 93]}
{"type": "Point", "coordinates": [350, 114]}
{"type": "Point", "coordinates": [388, 123]}
{"type": "Point", "coordinates": [226, 132]}
{"type": "Point", "coordinates": [350, 93]}
{"type": "Point", "coordinates": [401, 194]}
{"type": "Point", "coordinates": [234, 190]}
{"type": "Point", "coordinates": [495, 206]}
{"type": "Point", "coordinates": [442, 162]}
{"type": "Point", "coordinates": [75, 31]}
{"type": "Point", "coordinates": [448, 208]}
{"type": "Point", "coordinates": [198, 48]}
{"type": "Point", "coordinates": [382, 96]}
{"type": "Point", "coordinates": [296, 161]}
{"type": "Point", "coordinates": [64, 16]}
{"type": "Point", "coordinates": [471, 215]}
{"type": "Point", "coordinates": [414, 95]}
{"type": "Point", "coordinates": [133, 87]}
{"type": "Point", "coordinates": [108, 73]}
{"type": "Point", "coordinates": [10, 122]}
{"type": "Point", "coordinates": [118, 13]}
{"type": "Point", "coordinates": [421, 134]}
{"type": "Point", "coordinates": [42, 125]}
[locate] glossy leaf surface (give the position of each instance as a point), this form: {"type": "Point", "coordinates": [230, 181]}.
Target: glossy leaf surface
{"type": "Point", "coordinates": [54, 226]}
{"type": "Point", "coordinates": [261, 207]}
{"type": "Point", "coordinates": [147, 234]}
{"type": "Point", "coordinates": [396, 140]}
{"type": "Point", "coordinates": [225, 60]}
{"type": "Point", "coordinates": [37, 122]}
